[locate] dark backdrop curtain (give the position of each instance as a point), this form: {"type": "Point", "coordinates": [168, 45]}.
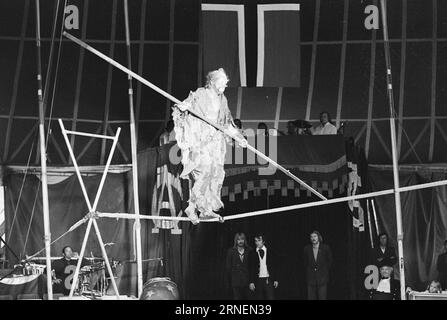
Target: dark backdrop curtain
{"type": "Point", "coordinates": [195, 258]}
{"type": "Point", "coordinates": [424, 219]}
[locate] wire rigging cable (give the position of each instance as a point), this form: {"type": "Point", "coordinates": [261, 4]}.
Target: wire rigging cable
{"type": "Point", "coordinates": [21, 190]}
{"type": "Point", "coordinates": [47, 79]}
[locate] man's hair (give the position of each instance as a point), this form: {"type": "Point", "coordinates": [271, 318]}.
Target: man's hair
{"type": "Point", "coordinates": [320, 237]}
{"type": "Point", "coordinates": [63, 249]}
{"type": "Point", "coordinates": [260, 237]}
{"type": "Point", "coordinates": [215, 74]}
{"type": "Point", "coordinates": [329, 119]}
{"type": "Point", "coordinates": [242, 236]}
{"type": "Point", "coordinates": [381, 235]}
{"type": "Point", "coordinates": [387, 238]}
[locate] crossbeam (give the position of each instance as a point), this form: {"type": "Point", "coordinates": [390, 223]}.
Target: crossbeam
{"type": "Point", "coordinates": [92, 210]}
{"type": "Point", "coordinates": [92, 135]}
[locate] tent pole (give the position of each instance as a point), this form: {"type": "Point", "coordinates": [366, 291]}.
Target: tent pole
{"type": "Point", "coordinates": [133, 141]}
{"type": "Point", "coordinates": [43, 158]}
{"type": "Point", "coordinates": [397, 201]}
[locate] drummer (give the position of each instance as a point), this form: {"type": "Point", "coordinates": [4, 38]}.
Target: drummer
{"type": "Point", "coordinates": [64, 269]}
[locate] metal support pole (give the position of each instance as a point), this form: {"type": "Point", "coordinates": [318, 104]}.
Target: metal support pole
{"type": "Point", "coordinates": [397, 201]}
{"type": "Point", "coordinates": [133, 145]}
{"type": "Point", "coordinates": [92, 208]}
{"type": "Point", "coordinates": [106, 259]}
{"type": "Point", "coordinates": [43, 159]}
{"type": "Point", "coordinates": [81, 255]}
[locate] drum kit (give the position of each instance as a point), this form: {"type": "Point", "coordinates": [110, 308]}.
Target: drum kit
{"type": "Point", "coordinates": [94, 279]}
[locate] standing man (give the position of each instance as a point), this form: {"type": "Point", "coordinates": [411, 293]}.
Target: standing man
{"type": "Point", "coordinates": [318, 261]}
{"type": "Point", "coordinates": [263, 271]}
{"type": "Point", "coordinates": [383, 251]}
{"type": "Point", "coordinates": [237, 267]}
{"type": "Point", "coordinates": [442, 266]}
{"type": "Point", "coordinates": [325, 127]}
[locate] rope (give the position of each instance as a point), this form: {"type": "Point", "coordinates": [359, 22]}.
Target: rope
{"type": "Point", "coordinates": [440, 198]}
{"type": "Point", "coordinates": [72, 228]}
{"type": "Point", "coordinates": [31, 220]}
{"type": "Point", "coordinates": [56, 70]}
{"type": "Point", "coordinates": [47, 81]}
{"type": "Point", "coordinates": [279, 209]}
{"type": "Point", "coordinates": [21, 190]}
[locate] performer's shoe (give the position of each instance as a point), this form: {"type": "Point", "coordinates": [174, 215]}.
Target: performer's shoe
{"type": "Point", "coordinates": [194, 219]}
{"type": "Point", "coordinates": [191, 213]}
{"type": "Point", "coordinates": [211, 215]}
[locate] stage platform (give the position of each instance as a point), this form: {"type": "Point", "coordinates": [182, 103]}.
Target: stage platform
{"type": "Point", "coordinates": [121, 297]}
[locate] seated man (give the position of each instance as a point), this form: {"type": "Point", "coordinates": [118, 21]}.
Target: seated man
{"type": "Point", "coordinates": [292, 129]}
{"type": "Point", "coordinates": [64, 270]}
{"type": "Point", "coordinates": [388, 288]}
{"type": "Point", "coordinates": [325, 127]}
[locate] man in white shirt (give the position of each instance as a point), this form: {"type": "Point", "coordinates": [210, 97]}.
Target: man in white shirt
{"type": "Point", "coordinates": [262, 271]}
{"type": "Point", "coordinates": [388, 287]}
{"type": "Point", "coordinates": [325, 127]}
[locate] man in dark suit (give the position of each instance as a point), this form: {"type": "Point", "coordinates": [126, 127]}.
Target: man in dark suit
{"type": "Point", "coordinates": [383, 251]}
{"type": "Point", "coordinates": [318, 261]}
{"type": "Point", "coordinates": [237, 267]}
{"type": "Point", "coordinates": [263, 276]}
{"type": "Point", "coordinates": [441, 265]}
{"type": "Point", "coordinates": [388, 288]}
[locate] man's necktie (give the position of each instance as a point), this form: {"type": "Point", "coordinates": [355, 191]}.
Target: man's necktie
{"type": "Point", "coordinates": [261, 253]}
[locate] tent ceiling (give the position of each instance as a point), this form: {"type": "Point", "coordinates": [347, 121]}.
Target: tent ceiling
{"type": "Point", "coordinates": [92, 96]}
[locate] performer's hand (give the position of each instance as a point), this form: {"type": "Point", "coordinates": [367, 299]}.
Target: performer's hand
{"type": "Point", "coordinates": [275, 284]}
{"type": "Point", "coordinates": [243, 143]}
{"type": "Point", "coordinates": [183, 106]}
{"type": "Point", "coordinates": [252, 286]}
